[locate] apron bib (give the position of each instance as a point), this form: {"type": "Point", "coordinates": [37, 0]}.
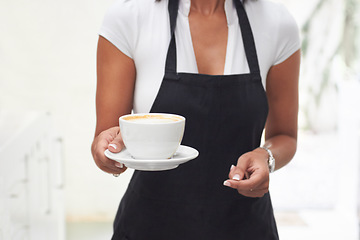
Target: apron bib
{"type": "Point", "coordinates": [225, 117]}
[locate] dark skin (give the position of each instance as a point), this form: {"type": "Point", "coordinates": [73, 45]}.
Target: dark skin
{"type": "Point", "coordinates": [116, 74]}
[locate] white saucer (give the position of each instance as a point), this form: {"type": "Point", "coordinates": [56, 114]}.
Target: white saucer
{"type": "Point", "coordinates": [182, 155]}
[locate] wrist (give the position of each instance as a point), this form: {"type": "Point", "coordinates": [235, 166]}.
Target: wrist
{"type": "Point", "coordinates": [270, 160]}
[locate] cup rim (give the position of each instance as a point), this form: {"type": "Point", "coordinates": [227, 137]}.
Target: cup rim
{"type": "Point", "coordinates": [182, 118]}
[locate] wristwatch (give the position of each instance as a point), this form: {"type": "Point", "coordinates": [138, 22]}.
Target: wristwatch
{"type": "Point", "coordinates": [271, 160]}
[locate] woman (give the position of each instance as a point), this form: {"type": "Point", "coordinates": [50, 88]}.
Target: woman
{"type": "Point", "coordinates": [221, 56]}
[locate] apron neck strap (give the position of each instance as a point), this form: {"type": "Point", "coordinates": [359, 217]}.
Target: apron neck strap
{"type": "Point", "coordinates": [173, 7]}
{"type": "Point", "coordinates": [246, 32]}
{"type": "Point", "coordinates": [248, 38]}
{"type": "Point", "coordinates": [170, 66]}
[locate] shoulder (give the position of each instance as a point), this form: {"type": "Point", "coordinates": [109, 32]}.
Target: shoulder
{"type": "Point", "coordinates": [130, 9]}
{"type": "Point", "coordinates": [133, 14]}
{"type": "Point", "coordinates": [269, 13]}
{"type": "Point", "coordinates": [278, 18]}
{"type": "Point", "coordinates": [125, 19]}
{"type": "Point", "coordinates": [274, 26]}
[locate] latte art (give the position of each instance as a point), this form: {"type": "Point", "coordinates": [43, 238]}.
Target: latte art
{"type": "Point", "coordinates": [152, 119]}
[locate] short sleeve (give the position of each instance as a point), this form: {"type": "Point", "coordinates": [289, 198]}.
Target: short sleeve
{"type": "Point", "coordinates": [119, 26]}
{"type": "Point", "coordinates": [288, 37]}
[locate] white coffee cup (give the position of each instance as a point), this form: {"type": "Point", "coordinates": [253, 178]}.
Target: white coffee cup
{"type": "Point", "coordinates": [152, 135]}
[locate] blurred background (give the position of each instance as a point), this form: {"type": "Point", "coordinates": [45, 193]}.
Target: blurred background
{"type": "Point", "coordinates": [50, 187]}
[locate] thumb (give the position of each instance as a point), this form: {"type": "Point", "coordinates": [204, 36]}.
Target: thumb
{"type": "Point", "coordinates": [239, 172]}
{"type": "Point", "coordinates": [117, 144]}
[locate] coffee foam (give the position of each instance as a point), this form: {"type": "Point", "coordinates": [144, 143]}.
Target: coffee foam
{"type": "Point", "coordinates": [152, 118]}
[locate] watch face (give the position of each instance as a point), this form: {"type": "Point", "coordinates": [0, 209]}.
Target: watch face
{"type": "Point", "coordinates": [271, 160]}
{"type": "Point", "coordinates": [271, 164]}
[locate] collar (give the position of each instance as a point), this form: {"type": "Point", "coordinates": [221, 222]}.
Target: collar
{"type": "Point", "coordinates": [230, 11]}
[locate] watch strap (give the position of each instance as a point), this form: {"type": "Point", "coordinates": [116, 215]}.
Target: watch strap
{"type": "Point", "coordinates": [271, 160]}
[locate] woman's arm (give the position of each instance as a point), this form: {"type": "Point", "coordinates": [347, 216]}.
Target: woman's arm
{"type": "Point", "coordinates": [251, 175]}
{"type": "Point", "coordinates": [281, 125]}
{"type": "Point", "coordinates": [114, 98]}
{"type": "Point", "coordinates": [115, 85]}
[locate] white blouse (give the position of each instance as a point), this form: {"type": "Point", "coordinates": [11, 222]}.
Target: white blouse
{"type": "Point", "coordinates": [141, 30]}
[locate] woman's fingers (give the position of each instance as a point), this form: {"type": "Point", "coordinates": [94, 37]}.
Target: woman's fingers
{"type": "Point", "coordinates": [241, 170]}
{"type": "Point", "coordinates": [247, 191]}
{"type": "Point", "coordinates": [250, 177]}
{"type": "Point", "coordinates": [111, 166]}
{"type": "Point", "coordinates": [116, 144]}
{"type": "Point", "coordinates": [113, 170]}
{"type": "Point", "coordinates": [101, 143]}
{"type": "Point", "coordinates": [255, 186]}
{"type": "Point", "coordinates": [106, 164]}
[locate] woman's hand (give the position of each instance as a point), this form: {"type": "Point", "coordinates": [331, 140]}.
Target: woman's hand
{"type": "Point", "coordinates": [108, 139]}
{"type": "Point", "coordinates": [251, 175]}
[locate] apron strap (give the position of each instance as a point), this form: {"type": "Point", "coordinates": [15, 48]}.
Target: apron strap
{"type": "Point", "coordinates": [246, 32]}
{"type": "Point", "coordinates": [173, 7]}
{"type": "Point", "coordinates": [171, 58]}
{"type": "Point", "coordinates": [248, 39]}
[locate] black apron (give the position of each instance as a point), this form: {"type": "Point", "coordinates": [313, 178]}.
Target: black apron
{"type": "Point", "coordinates": [225, 116]}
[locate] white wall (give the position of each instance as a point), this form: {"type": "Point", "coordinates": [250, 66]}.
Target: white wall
{"type": "Point", "coordinates": [48, 63]}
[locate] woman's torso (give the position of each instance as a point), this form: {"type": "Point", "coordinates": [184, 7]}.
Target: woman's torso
{"type": "Point", "coordinates": [140, 29]}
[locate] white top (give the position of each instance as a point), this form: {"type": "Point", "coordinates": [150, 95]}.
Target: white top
{"type": "Point", "coordinates": [141, 30]}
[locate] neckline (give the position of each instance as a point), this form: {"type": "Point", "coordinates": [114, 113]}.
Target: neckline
{"type": "Point", "coordinates": [246, 32]}
{"type": "Point", "coordinates": [184, 9]}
